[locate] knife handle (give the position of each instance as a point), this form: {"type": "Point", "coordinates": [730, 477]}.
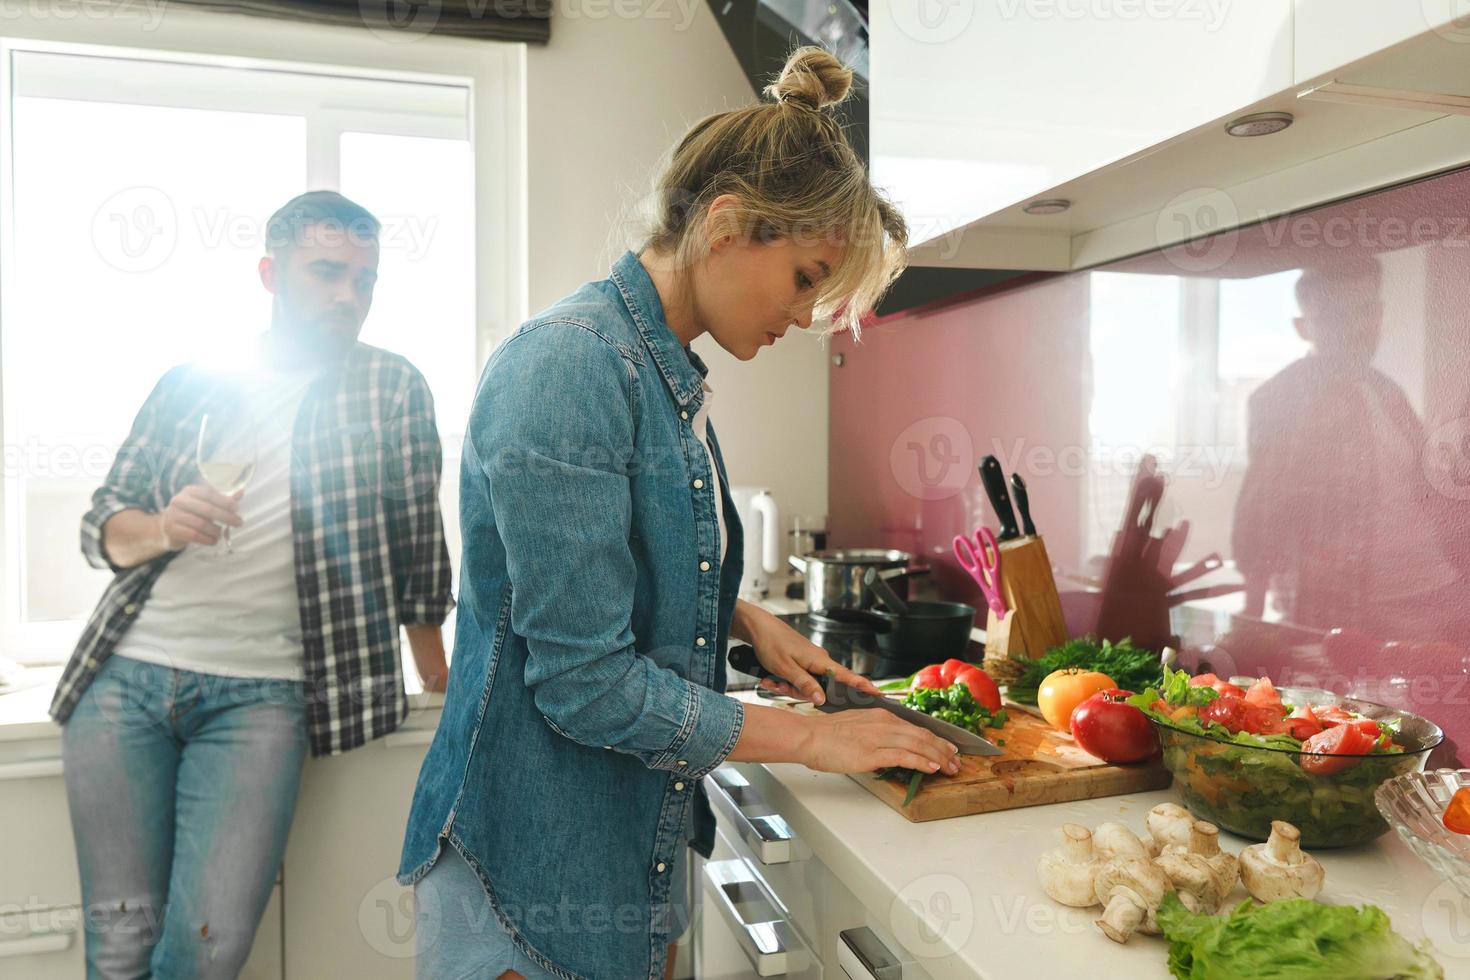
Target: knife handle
{"type": "Point", "coordinates": [742, 657]}
{"type": "Point", "coordinates": [1023, 504]}
{"type": "Point", "coordinates": [994, 479]}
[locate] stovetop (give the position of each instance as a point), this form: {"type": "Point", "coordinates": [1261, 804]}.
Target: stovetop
{"type": "Point", "coordinates": [852, 646]}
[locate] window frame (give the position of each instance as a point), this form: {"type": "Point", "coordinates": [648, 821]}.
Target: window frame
{"type": "Point", "coordinates": [492, 72]}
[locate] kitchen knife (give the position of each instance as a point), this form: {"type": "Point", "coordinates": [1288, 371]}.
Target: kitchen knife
{"type": "Point", "coordinates": [994, 479]}
{"type": "Point", "coordinates": [1023, 504]}
{"type": "Point", "coordinates": [842, 697]}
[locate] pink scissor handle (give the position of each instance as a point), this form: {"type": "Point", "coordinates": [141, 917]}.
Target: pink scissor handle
{"type": "Point", "coordinates": [980, 556]}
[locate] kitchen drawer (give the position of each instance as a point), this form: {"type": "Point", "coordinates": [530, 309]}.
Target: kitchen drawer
{"type": "Point", "coordinates": [779, 858]}
{"type": "Point", "coordinates": [42, 944]}
{"type": "Point", "coordinates": [40, 859]}
{"type": "Point", "coordinates": [743, 932]}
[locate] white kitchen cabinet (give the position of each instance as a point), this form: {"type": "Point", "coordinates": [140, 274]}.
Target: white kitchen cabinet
{"type": "Point", "coordinates": [346, 915]}
{"type": "Point", "coordinates": [1331, 34]}
{"type": "Point", "coordinates": [979, 104]}
{"type": "Point", "coordinates": [42, 944]}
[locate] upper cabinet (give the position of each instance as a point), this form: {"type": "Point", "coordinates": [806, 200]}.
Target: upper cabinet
{"type": "Point", "coordinates": [1120, 107]}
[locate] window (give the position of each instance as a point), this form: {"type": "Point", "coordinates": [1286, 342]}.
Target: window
{"type": "Point", "coordinates": [140, 190]}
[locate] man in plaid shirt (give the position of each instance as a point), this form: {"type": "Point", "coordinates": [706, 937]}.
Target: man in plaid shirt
{"type": "Point", "coordinates": [210, 667]}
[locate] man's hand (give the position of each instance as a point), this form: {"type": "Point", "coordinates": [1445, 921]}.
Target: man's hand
{"type": "Point", "coordinates": [195, 514]}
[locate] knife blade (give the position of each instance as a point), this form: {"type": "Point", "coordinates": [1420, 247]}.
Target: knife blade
{"type": "Point", "coordinates": [1023, 504]}
{"type": "Point", "coordinates": [994, 479]}
{"type": "Point", "coordinates": [843, 697]}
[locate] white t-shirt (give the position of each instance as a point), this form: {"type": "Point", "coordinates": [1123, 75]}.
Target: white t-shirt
{"type": "Point", "coordinates": [701, 432]}
{"type": "Point", "coordinates": [237, 615]}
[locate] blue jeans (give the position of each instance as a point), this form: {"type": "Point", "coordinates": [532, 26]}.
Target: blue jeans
{"type": "Point", "coordinates": [181, 787]}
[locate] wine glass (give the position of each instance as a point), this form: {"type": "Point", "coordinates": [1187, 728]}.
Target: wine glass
{"type": "Point", "coordinates": [229, 463]}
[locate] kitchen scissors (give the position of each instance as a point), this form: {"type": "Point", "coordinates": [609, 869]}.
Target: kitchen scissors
{"type": "Point", "coordinates": [980, 556]}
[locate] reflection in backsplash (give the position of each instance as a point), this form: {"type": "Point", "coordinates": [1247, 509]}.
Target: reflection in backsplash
{"type": "Point", "coordinates": [1304, 385]}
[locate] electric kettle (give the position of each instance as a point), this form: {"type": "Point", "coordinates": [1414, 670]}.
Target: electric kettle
{"type": "Point", "coordinates": [762, 523]}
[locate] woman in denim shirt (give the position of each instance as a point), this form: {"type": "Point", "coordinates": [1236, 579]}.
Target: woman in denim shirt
{"type": "Point", "coordinates": [602, 557]}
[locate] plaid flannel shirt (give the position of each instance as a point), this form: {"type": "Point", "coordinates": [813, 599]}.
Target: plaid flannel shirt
{"type": "Point", "coordinates": [365, 524]}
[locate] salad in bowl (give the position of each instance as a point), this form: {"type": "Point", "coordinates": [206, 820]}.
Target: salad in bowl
{"type": "Point", "coordinates": [1243, 756]}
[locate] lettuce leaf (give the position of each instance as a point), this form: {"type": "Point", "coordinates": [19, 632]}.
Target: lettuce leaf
{"type": "Point", "coordinates": [1296, 939]}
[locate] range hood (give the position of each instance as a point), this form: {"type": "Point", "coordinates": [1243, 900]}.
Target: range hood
{"type": "Point", "coordinates": [1396, 112]}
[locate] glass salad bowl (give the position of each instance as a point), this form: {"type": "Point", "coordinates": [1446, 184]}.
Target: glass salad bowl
{"type": "Point", "coordinates": [1414, 803]}
{"type": "Point", "coordinates": [1242, 788]}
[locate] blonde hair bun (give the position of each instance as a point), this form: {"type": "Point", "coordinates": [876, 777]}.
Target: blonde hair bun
{"type": "Point", "coordinates": [813, 77]}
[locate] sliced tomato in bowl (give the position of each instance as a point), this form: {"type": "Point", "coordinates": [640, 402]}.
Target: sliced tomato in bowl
{"type": "Point", "coordinates": [1332, 750]}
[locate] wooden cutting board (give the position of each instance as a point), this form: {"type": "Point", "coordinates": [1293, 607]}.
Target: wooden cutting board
{"type": "Point", "coordinates": [1040, 765]}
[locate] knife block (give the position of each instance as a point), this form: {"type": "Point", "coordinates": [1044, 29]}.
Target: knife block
{"type": "Point", "coordinates": [1033, 622]}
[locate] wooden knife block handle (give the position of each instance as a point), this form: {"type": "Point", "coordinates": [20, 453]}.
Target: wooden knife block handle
{"type": "Point", "coordinates": [1033, 623]}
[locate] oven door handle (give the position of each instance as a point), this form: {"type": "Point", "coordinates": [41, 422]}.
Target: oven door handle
{"type": "Point", "coordinates": [765, 832]}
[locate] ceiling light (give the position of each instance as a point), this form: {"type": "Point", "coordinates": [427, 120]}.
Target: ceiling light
{"type": "Point", "coordinates": [1259, 124]}
{"type": "Point", "coordinates": [1049, 205]}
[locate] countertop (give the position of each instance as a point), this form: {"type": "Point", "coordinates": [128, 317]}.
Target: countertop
{"type": "Point", "coordinates": [962, 896]}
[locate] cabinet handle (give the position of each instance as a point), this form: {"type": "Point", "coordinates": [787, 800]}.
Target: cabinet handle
{"type": "Point", "coordinates": [766, 833]}
{"type": "Point", "coordinates": [30, 769]}
{"type": "Point", "coordinates": [44, 942]}
{"type": "Point", "coordinates": [753, 916]}
{"type": "Point", "coordinates": [862, 956]}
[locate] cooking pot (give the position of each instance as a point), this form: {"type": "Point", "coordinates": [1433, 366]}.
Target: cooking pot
{"type": "Point", "coordinates": [834, 579]}
{"type": "Point", "coordinates": [930, 633]}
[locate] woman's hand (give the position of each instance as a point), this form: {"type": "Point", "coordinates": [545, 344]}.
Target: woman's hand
{"type": "Point", "coordinates": [786, 653]}
{"type": "Point", "coordinates": [862, 740]}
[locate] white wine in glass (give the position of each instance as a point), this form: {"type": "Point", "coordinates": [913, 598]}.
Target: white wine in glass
{"type": "Point", "coordinates": [228, 465]}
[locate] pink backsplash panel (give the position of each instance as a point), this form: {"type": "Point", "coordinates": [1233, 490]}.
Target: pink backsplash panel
{"type": "Point", "coordinates": [1305, 385]}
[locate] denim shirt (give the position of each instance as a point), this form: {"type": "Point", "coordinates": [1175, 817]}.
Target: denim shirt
{"type": "Point", "coordinates": [585, 697]}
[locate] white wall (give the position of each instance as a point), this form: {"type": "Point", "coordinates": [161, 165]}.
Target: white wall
{"type": "Point", "coordinates": [606, 100]}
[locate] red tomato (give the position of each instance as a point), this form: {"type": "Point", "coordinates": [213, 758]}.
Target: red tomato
{"type": "Point", "coordinates": [1203, 680]}
{"type": "Point", "coordinates": [1305, 711]}
{"type": "Point", "coordinates": [1303, 728]}
{"type": "Point", "coordinates": [982, 688]}
{"type": "Point", "coordinates": [1263, 720]}
{"type": "Point", "coordinates": [1113, 730]}
{"type": "Point", "coordinates": [1333, 748]}
{"type": "Point", "coordinates": [1263, 695]}
{"type": "Point", "coordinates": [950, 669]}
{"type": "Point", "coordinates": [1334, 715]}
{"type": "Point", "coordinates": [1227, 710]}
{"type": "Point", "coordinates": [1225, 687]}
{"type": "Point", "coordinates": [930, 676]}
{"type": "Point", "coordinates": [1214, 681]}
{"type": "Point", "coordinates": [1457, 814]}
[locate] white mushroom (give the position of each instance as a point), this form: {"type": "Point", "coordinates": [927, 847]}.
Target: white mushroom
{"type": "Point", "coordinates": [1168, 824]}
{"type": "Point", "coordinates": [1204, 840]}
{"type": "Point", "coordinates": [1200, 885]}
{"type": "Point", "coordinates": [1131, 889]}
{"type": "Point", "coordinates": [1279, 868]}
{"type": "Point", "coordinates": [1066, 873]}
{"type": "Point", "coordinates": [1113, 840]}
